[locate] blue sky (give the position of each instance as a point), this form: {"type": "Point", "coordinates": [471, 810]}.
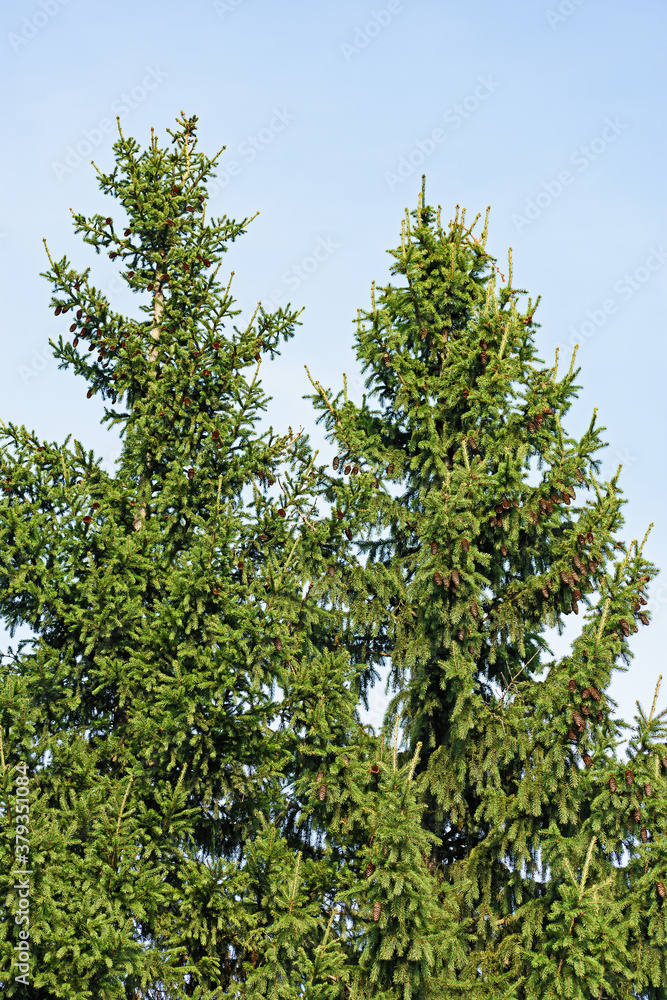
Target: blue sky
{"type": "Point", "coordinates": [550, 111]}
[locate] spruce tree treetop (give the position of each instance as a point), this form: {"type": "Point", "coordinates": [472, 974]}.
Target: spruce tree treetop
{"type": "Point", "coordinates": [208, 817]}
{"type": "Point", "coordinates": [489, 526]}
{"type": "Point", "coordinates": [169, 604]}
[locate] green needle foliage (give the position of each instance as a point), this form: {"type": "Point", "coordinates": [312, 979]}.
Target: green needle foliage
{"type": "Point", "coordinates": [207, 815]}
{"type": "Point", "coordinates": [183, 681]}
{"type": "Point", "coordinates": [489, 526]}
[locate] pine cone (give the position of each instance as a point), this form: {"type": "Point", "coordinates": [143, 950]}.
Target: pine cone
{"type": "Point", "coordinates": [637, 815]}
{"type": "Point", "coordinates": [390, 469]}
{"type": "Point", "coordinates": [375, 768]}
{"type": "Point", "coordinates": [348, 534]}
{"type": "Point", "coordinates": [322, 793]}
{"type": "Point", "coordinates": [595, 693]}
{"type": "Point", "coordinates": [278, 644]}
{"type": "Point", "coordinates": [571, 735]}
{"type": "Point", "coordinates": [586, 693]}
{"type": "Point", "coordinates": [335, 462]}
{"type": "Point", "coordinates": [572, 686]}
{"type": "Point", "coordinates": [346, 470]}
{"type": "Point", "coordinates": [434, 548]}
{"type": "Point", "coordinates": [474, 610]}
{"type": "Point", "coordinates": [465, 544]}
{"type": "Point", "coordinates": [629, 776]}
{"type": "Point", "coordinates": [370, 868]}
{"type": "Point", "coordinates": [456, 579]}
{"type": "Point", "coordinates": [625, 627]}
{"type": "Point", "coordinates": [612, 785]}
{"type": "Point", "coordinates": [437, 579]}
{"type": "Point", "coordinates": [662, 892]}
{"type": "Point", "coordinates": [377, 910]}
{"type": "Point", "coordinates": [579, 722]}
{"type": "Point", "coordinates": [648, 791]}
{"type": "Point", "coordinates": [587, 759]}
{"type": "Point", "coordinates": [644, 835]}
{"type": "Point", "coordinates": [503, 550]}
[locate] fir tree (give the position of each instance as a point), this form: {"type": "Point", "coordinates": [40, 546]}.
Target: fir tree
{"type": "Point", "coordinates": [487, 527]}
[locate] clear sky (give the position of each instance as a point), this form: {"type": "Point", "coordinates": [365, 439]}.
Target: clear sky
{"type": "Point", "coordinates": [550, 111]}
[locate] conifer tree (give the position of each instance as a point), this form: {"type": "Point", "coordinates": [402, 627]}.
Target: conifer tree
{"type": "Point", "coordinates": [207, 815]}
{"type": "Point", "coordinates": [489, 526]}
{"type": "Point", "coordinates": [183, 712]}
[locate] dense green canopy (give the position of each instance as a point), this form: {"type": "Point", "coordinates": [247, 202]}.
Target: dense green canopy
{"type": "Point", "coordinates": [186, 781]}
